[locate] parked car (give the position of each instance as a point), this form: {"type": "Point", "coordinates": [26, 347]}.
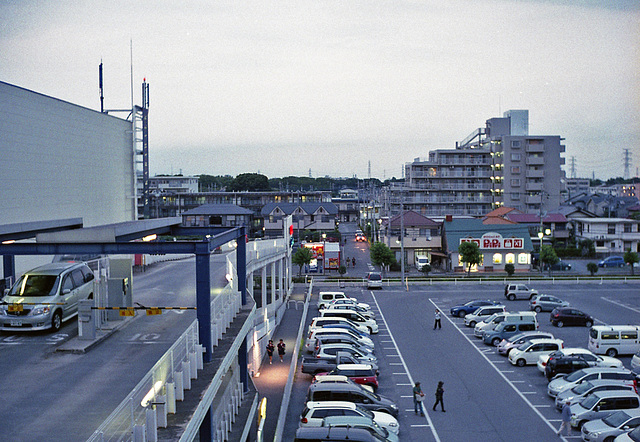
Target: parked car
{"type": "Point", "coordinates": [364, 312]}
{"type": "Point", "coordinates": [607, 428]}
{"type": "Point", "coordinates": [331, 350]}
{"type": "Point", "coordinates": [586, 354]}
{"type": "Point", "coordinates": [314, 365]}
{"type": "Point", "coordinates": [564, 365]}
{"type": "Point", "coordinates": [463, 310]}
{"type": "Point", "coordinates": [363, 374]}
{"type": "Point", "coordinates": [588, 374]}
{"type": "Point", "coordinates": [613, 340]}
{"type": "Point", "coordinates": [351, 393]}
{"type": "Point", "coordinates": [560, 265]}
{"type": "Point", "coordinates": [612, 261]}
{"type": "Point", "coordinates": [374, 280]}
{"type": "Point", "coordinates": [351, 301]}
{"type": "Point", "coordinates": [353, 316]}
{"type": "Point", "coordinates": [312, 337]}
{"type": "Point", "coordinates": [505, 346]}
{"type": "Point", "coordinates": [505, 329]}
{"type": "Point", "coordinates": [482, 313]}
{"type": "Point", "coordinates": [561, 316]}
{"type": "Point", "coordinates": [635, 361]}
{"type": "Point", "coordinates": [583, 389]}
{"type": "Point", "coordinates": [314, 412]}
{"type": "Point", "coordinates": [491, 323]}
{"type": "Point", "coordinates": [338, 379]}
{"type": "Point", "coordinates": [343, 339]}
{"type": "Point", "coordinates": [631, 436]}
{"type": "Point", "coordinates": [518, 291]}
{"type": "Point", "coordinates": [602, 404]}
{"type": "Point", "coordinates": [46, 296]}
{"type": "Point", "coordinates": [326, 298]}
{"type": "Point", "coordinates": [360, 422]}
{"type": "Point", "coordinates": [529, 351]}
{"type": "Point", "coordinates": [315, 434]}
{"type": "Point", "coordinates": [320, 322]}
{"type": "Point", "coordinates": [546, 303]}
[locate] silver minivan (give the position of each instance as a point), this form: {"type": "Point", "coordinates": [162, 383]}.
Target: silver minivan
{"type": "Point", "coordinates": [46, 296]}
{"type": "Point", "coordinates": [601, 404]}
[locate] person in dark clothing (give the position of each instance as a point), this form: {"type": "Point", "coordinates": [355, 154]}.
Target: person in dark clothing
{"type": "Point", "coordinates": [418, 396]}
{"type": "Point", "coordinates": [281, 347]}
{"type": "Point", "coordinates": [270, 349]}
{"type": "Point", "coordinates": [439, 394]}
{"type": "Point", "coordinates": [353, 261]}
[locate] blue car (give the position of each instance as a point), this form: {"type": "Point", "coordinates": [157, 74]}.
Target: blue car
{"type": "Point", "coordinates": [463, 310]}
{"type": "Point", "coordinates": [612, 261]}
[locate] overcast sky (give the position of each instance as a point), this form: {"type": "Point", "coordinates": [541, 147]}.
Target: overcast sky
{"type": "Point", "coordinates": [325, 87]}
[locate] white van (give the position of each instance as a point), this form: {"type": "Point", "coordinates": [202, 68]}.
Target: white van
{"type": "Point", "coordinates": [613, 340]}
{"type": "Point", "coordinates": [325, 298]}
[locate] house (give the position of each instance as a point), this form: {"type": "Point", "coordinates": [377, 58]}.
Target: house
{"type": "Point", "coordinates": [217, 215]}
{"type": "Point", "coordinates": [422, 237]}
{"type": "Point", "coordinates": [610, 235]}
{"type": "Point", "coordinates": [319, 217]}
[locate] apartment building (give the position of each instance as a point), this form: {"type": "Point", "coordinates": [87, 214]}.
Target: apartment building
{"type": "Point", "coordinates": [498, 165]}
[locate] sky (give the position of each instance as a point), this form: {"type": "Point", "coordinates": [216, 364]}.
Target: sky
{"type": "Point", "coordinates": [339, 88]}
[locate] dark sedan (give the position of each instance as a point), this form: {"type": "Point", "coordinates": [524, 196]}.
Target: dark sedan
{"type": "Point", "coordinates": [463, 310]}
{"type": "Point", "coordinates": [560, 265]}
{"type": "Point", "coordinates": [570, 316]}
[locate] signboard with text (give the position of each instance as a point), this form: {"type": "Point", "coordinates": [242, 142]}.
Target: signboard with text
{"type": "Point", "coordinates": [493, 241]}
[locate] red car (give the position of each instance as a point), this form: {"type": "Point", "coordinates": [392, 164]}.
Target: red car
{"type": "Point", "coordinates": [363, 374]}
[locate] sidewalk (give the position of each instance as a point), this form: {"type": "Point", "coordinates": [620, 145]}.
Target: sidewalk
{"type": "Point", "coordinates": [273, 377]}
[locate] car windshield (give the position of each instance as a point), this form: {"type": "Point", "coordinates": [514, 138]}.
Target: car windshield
{"type": "Point", "coordinates": [35, 285]}
{"type": "Point", "coordinates": [582, 388]}
{"type": "Point", "coordinates": [588, 402]}
{"type": "Point", "coordinates": [364, 411]}
{"type": "Point", "coordinates": [575, 376]}
{"type": "Point", "coordinates": [523, 346]}
{"type": "Point", "coordinates": [616, 419]}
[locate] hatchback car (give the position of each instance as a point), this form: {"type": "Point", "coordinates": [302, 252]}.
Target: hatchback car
{"type": "Point", "coordinates": [562, 316]}
{"type": "Point", "coordinates": [46, 296]}
{"type": "Point", "coordinates": [607, 428]}
{"type": "Point", "coordinates": [374, 280]}
{"type": "Point", "coordinates": [612, 261]}
{"type": "Point", "coordinates": [546, 303]}
{"type": "Point", "coordinates": [463, 310]}
{"type": "Point", "coordinates": [482, 313]}
{"type": "Point", "coordinates": [577, 393]}
{"type": "Point", "coordinates": [331, 350]}
{"type": "Point", "coordinates": [314, 413]}
{"type": "Point", "coordinates": [505, 346]}
{"type": "Point", "coordinates": [560, 265]}
{"type": "Point", "coordinates": [564, 365]}
{"type": "Point", "coordinates": [589, 374]}
{"type": "Point", "coordinates": [351, 393]}
{"type": "Point", "coordinates": [360, 422]}
{"type": "Point", "coordinates": [529, 351]}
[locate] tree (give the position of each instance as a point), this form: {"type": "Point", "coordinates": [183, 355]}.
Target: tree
{"type": "Point", "coordinates": [592, 267]}
{"type": "Point", "coordinates": [381, 254]}
{"type": "Point", "coordinates": [249, 182]}
{"type": "Point", "coordinates": [469, 254]}
{"type": "Point", "coordinates": [548, 257]}
{"type": "Point", "coordinates": [510, 269]}
{"type": "Point", "coordinates": [342, 269]}
{"type": "Point", "coordinates": [587, 248]}
{"type": "Point", "coordinates": [302, 257]}
{"type": "Point", "coordinates": [426, 269]}
{"type": "Point", "coordinates": [631, 258]}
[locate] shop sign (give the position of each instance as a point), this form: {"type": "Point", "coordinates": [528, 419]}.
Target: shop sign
{"type": "Point", "coordinates": [494, 241]}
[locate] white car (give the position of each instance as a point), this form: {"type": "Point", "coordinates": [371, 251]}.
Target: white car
{"type": "Point", "coordinates": [565, 382]}
{"type": "Point", "coordinates": [364, 312]}
{"type": "Point", "coordinates": [592, 359]}
{"type": "Point", "coordinates": [351, 301]}
{"type": "Point", "coordinates": [314, 413]}
{"type": "Point", "coordinates": [482, 313]}
{"type": "Point", "coordinates": [529, 352]}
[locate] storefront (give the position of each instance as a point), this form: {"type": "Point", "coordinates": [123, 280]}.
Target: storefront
{"type": "Point", "coordinates": [499, 244]}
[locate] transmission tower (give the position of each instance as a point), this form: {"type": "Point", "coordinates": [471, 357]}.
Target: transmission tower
{"type": "Point", "coordinates": [369, 169]}
{"type": "Point", "coordinates": [573, 167]}
{"type": "Point", "coordinates": [627, 163]}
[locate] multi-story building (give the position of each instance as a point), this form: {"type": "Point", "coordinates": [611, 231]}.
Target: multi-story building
{"type": "Point", "coordinates": [577, 186]}
{"type": "Point", "coordinates": [498, 165]}
{"type": "Point", "coordinates": [611, 235]}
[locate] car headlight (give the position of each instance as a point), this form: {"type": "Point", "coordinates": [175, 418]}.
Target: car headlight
{"type": "Point", "coordinates": [3, 311]}
{"type": "Point", "coordinates": [41, 310]}
{"type": "Point", "coordinates": [393, 424]}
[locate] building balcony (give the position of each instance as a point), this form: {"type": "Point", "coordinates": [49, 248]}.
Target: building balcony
{"type": "Point", "coordinates": [535, 174]}
{"type": "Point", "coordinates": [535, 148]}
{"type": "Point", "coordinates": [534, 187]}
{"type": "Point", "coordinates": [535, 161]}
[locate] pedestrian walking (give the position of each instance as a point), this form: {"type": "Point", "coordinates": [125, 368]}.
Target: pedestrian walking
{"type": "Point", "coordinates": [281, 347]}
{"type": "Point", "coordinates": [418, 397]}
{"type": "Point", "coordinates": [566, 419]}
{"type": "Point", "coordinates": [353, 261]}
{"type": "Point", "coordinates": [347, 262]}
{"type": "Point", "coordinates": [270, 350]}
{"type": "Point", "coordinates": [437, 324]}
{"type": "Point", "coordinates": [439, 395]}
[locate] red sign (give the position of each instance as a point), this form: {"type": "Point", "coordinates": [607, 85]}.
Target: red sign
{"type": "Point", "coordinates": [493, 241]}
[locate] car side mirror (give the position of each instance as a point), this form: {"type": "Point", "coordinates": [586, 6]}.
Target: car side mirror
{"type": "Point", "coordinates": [66, 291]}
{"type": "Point", "coordinates": [597, 407]}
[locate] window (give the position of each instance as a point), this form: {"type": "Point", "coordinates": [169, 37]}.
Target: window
{"type": "Point", "coordinates": [523, 258]}
{"type": "Point", "coordinates": [515, 157]}
{"type": "Point", "coordinates": [497, 258]}
{"type": "Point", "coordinates": [611, 228]}
{"type": "Point", "coordinates": [629, 335]}
{"type": "Point", "coordinates": [515, 182]}
{"type": "Point", "coordinates": [510, 258]}
{"type": "Point", "coordinates": [515, 196]}
{"type": "Point", "coordinates": [515, 169]}
{"type": "Point", "coordinates": [609, 335]}
{"type": "Point", "coordinates": [627, 228]}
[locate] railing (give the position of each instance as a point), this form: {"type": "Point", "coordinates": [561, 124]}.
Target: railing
{"type": "Point", "coordinates": [137, 415]}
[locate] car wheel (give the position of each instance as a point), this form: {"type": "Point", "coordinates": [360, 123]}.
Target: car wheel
{"type": "Point", "coordinates": [461, 314]}
{"type": "Point", "coordinates": [588, 324]}
{"type": "Point", "coordinates": [609, 439]}
{"type": "Point", "coordinates": [472, 324]}
{"type": "Point", "coordinates": [370, 330]}
{"type": "Point", "coordinates": [559, 324]}
{"type": "Point", "coordinates": [538, 309]}
{"type": "Point", "coordinates": [56, 321]}
{"type": "Point", "coordinates": [612, 352]}
{"type": "Point", "coordinates": [521, 362]}
{"type": "Point", "coordinates": [496, 342]}
{"type": "Point", "coordinates": [511, 297]}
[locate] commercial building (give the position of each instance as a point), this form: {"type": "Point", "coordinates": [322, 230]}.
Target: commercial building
{"type": "Point", "coordinates": [498, 165]}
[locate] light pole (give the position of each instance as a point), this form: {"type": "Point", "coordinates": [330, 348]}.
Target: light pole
{"type": "Point", "coordinates": [402, 240]}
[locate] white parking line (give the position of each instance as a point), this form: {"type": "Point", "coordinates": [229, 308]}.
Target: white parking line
{"type": "Point", "coordinates": [522, 396]}
{"type": "Point", "coordinates": [426, 414]}
{"type": "Point", "coordinates": [620, 304]}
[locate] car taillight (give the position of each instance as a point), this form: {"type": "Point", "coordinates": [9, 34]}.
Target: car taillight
{"type": "Point", "coordinates": [304, 420]}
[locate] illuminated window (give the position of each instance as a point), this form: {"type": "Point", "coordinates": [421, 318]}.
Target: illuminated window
{"type": "Point", "coordinates": [510, 258]}
{"type": "Point", "coordinates": [523, 258]}
{"type": "Point", "coordinates": [497, 258]}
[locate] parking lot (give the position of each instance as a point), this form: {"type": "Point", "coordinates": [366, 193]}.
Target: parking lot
{"type": "Point", "coordinates": [486, 397]}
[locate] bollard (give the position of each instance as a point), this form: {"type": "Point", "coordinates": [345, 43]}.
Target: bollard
{"type": "Point", "coordinates": [139, 433]}
{"type": "Point", "coordinates": [150, 424]}
{"type": "Point", "coordinates": [171, 398]}
{"type": "Point", "coordinates": [193, 365]}
{"type": "Point", "coordinates": [179, 378]}
{"type": "Point", "coordinates": [161, 411]}
{"type": "Point", "coordinates": [186, 374]}
{"type": "Point", "coordinates": [200, 358]}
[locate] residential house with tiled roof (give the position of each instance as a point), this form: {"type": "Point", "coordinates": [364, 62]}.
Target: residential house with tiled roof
{"type": "Point", "coordinates": [315, 216]}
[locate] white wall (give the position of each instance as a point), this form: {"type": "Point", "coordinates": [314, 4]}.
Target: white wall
{"type": "Point", "coordinates": [59, 160]}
